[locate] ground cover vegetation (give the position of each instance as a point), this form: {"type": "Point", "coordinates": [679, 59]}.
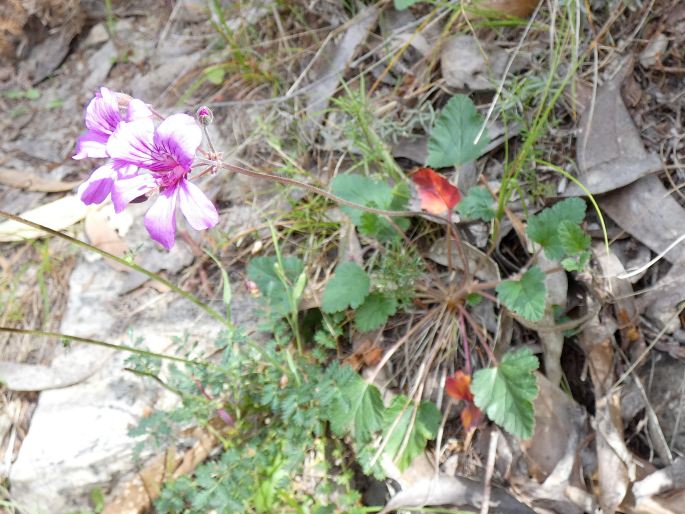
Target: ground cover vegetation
{"type": "Point", "coordinates": [414, 301]}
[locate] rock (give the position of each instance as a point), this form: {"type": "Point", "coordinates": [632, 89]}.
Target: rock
{"type": "Point", "coordinates": [78, 439]}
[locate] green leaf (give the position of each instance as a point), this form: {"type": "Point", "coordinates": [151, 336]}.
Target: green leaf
{"type": "Point", "coordinates": [401, 5]}
{"type": "Point", "coordinates": [362, 190]}
{"type": "Point", "coordinates": [424, 428]}
{"type": "Point", "coordinates": [452, 140]}
{"type": "Point", "coordinates": [365, 191]}
{"type": "Point", "coordinates": [526, 296]}
{"type": "Point", "coordinates": [347, 288]}
{"type": "Point", "coordinates": [226, 284]}
{"type": "Point", "coordinates": [577, 262]}
{"type": "Point", "coordinates": [477, 204]}
{"type": "Point", "coordinates": [215, 75]}
{"type": "Point", "coordinates": [358, 409]}
{"type": "Point", "coordinates": [473, 299]}
{"type": "Point", "coordinates": [32, 94]}
{"type": "Point", "coordinates": [506, 393]}
{"type": "Point", "coordinates": [375, 311]}
{"type": "Point", "coordinates": [262, 271]}
{"type": "Point", "coordinates": [573, 239]}
{"type": "Point", "coordinates": [543, 228]}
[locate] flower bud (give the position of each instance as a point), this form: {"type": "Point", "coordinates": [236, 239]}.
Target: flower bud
{"type": "Point", "coordinates": [204, 115]}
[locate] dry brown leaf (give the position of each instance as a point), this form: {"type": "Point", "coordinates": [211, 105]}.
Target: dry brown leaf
{"type": "Point", "coordinates": [662, 481]}
{"type": "Point", "coordinates": [614, 460]}
{"type": "Point", "coordinates": [480, 264]}
{"type": "Point", "coordinates": [647, 212]}
{"type": "Point", "coordinates": [666, 504]}
{"type": "Point", "coordinates": [459, 491]}
{"type": "Point", "coordinates": [334, 60]}
{"type": "Point", "coordinates": [468, 63]}
{"type": "Point", "coordinates": [609, 150]}
{"type": "Point", "coordinates": [102, 235]}
{"type": "Point", "coordinates": [137, 496]}
{"type": "Point", "coordinates": [56, 215]}
{"type": "Point", "coordinates": [558, 430]}
{"type": "Point", "coordinates": [520, 8]}
{"type": "Point", "coordinates": [619, 293]}
{"type": "Point", "coordinates": [31, 182]}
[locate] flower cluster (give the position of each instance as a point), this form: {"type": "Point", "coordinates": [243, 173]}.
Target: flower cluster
{"type": "Point", "coordinates": [143, 159]}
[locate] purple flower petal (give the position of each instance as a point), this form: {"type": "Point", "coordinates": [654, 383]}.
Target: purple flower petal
{"type": "Point", "coordinates": [125, 170]}
{"type": "Point", "coordinates": [126, 190]}
{"type": "Point", "coordinates": [93, 145]}
{"type": "Point", "coordinates": [179, 136]}
{"type": "Point", "coordinates": [132, 143]}
{"type": "Point", "coordinates": [160, 219]}
{"type": "Point", "coordinates": [195, 206]}
{"type": "Point", "coordinates": [102, 113]}
{"type": "Point", "coordinates": [99, 185]}
{"type": "Point", "coordinates": [137, 110]}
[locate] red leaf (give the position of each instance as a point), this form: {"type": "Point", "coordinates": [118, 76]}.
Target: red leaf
{"type": "Point", "coordinates": [437, 195]}
{"type": "Point", "coordinates": [459, 386]}
{"type": "Point", "coordinates": [471, 416]}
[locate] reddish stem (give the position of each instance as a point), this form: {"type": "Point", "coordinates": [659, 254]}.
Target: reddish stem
{"type": "Point", "coordinates": [477, 329]}
{"type": "Point", "coordinates": [465, 342]}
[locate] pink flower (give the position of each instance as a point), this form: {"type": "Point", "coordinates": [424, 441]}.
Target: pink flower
{"type": "Point", "coordinates": [168, 152]}
{"type": "Point", "coordinates": [103, 116]}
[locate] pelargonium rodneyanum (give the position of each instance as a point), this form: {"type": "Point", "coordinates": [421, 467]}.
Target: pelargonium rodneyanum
{"type": "Point", "coordinates": [143, 159]}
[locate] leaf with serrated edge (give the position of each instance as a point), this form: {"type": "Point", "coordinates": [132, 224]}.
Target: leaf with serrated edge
{"type": "Point", "coordinates": [348, 287]}
{"type": "Point", "coordinates": [573, 239]}
{"type": "Point", "coordinates": [543, 228]}
{"type": "Point", "coordinates": [477, 204]}
{"type": "Point", "coordinates": [262, 272]}
{"type": "Point", "coordinates": [452, 140]}
{"type": "Point", "coordinates": [375, 311]}
{"type": "Point", "coordinates": [506, 392]}
{"type": "Point", "coordinates": [365, 191]}
{"type": "Point", "coordinates": [359, 409]}
{"type": "Point", "coordinates": [424, 428]}
{"type": "Point", "coordinates": [526, 296]}
{"type": "Point", "coordinates": [362, 190]}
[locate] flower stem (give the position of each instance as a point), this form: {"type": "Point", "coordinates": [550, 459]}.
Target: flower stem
{"type": "Point", "coordinates": [185, 294]}
{"type": "Point", "coordinates": [96, 342]}
{"type": "Point", "coordinates": [319, 191]}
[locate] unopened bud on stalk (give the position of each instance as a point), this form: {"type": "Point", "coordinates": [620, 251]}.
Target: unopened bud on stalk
{"type": "Point", "coordinates": [204, 115]}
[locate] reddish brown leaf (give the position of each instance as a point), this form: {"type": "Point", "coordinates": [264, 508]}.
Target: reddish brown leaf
{"type": "Point", "coordinates": [520, 8]}
{"type": "Point", "coordinates": [459, 386]}
{"type": "Point", "coordinates": [373, 356]}
{"type": "Point", "coordinates": [437, 195]}
{"type": "Point", "coordinates": [471, 417]}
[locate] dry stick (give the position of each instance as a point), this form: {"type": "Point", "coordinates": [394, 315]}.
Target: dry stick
{"type": "Point", "coordinates": [489, 469]}
{"type": "Point", "coordinates": [477, 330]}
{"type": "Point", "coordinates": [401, 51]}
{"type": "Point", "coordinates": [400, 342]}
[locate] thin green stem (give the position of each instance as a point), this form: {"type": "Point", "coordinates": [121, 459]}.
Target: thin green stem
{"type": "Point", "coordinates": [185, 294]}
{"type": "Point", "coordinates": [96, 342]}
